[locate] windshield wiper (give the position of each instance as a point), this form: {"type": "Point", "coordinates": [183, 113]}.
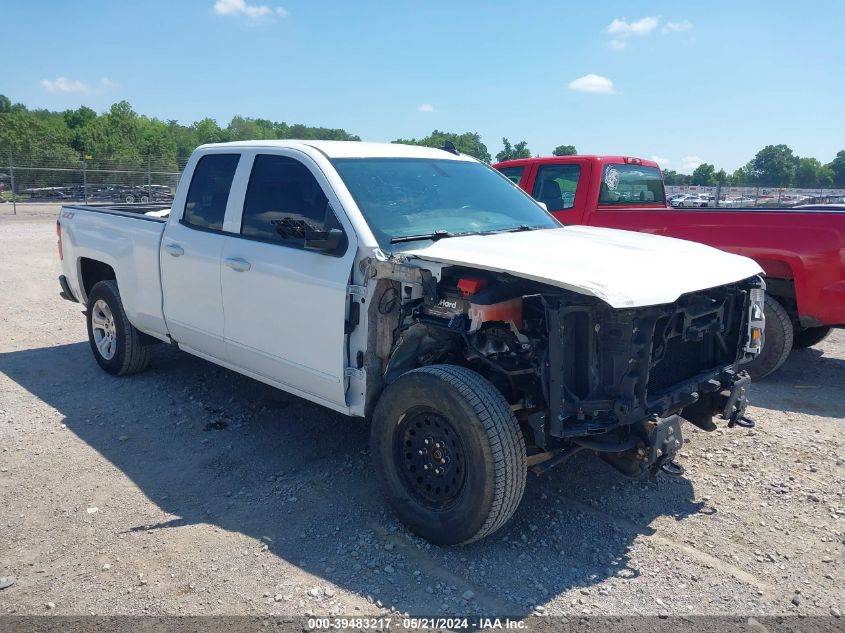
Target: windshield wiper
{"type": "Point", "coordinates": [440, 234]}
{"type": "Point", "coordinates": [437, 235]}
{"type": "Point", "coordinates": [516, 229]}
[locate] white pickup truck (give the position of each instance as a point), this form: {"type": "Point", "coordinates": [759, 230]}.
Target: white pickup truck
{"type": "Point", "coordinates": [423, 290]}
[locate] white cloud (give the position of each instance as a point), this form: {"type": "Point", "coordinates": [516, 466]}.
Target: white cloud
{"type": "Point", "coordinates": [63, 84]}
{"type": "Point", "coordinates": [617, 45]}
{"type": "Point", "coordinates": [623, 28]}
{"type": "Point", "coordinates": [689, 163]}
{"type": "Point", "coordinates": [105, 82]}
{"type": "Point", "coordinates": [677, 27]}
{"type": "Point", "coordinates": [593, 83]}
{"type": "Point", "coordinates": [251, 11]}
{"type": "Point", "coordinates": [663, 162]}
{"type": "Point", "coordinates": [426, 107]}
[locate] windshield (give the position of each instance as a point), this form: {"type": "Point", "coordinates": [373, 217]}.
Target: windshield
{"type": "Point", "coordinates": [631, 184]}
{"type": "Point", "coordinates": [406, 197]}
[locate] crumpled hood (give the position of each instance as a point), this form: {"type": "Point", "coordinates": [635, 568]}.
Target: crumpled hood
{"type": "Point", "coordinates": [623, 268]}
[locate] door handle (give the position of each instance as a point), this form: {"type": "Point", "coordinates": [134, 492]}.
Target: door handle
{"type": "Point", "coordinates": [174, 249]}
{"type": "Point", "coordinates": [238, 264]}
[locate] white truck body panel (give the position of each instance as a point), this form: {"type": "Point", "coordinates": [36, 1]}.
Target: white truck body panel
{"type": "Point", "coordinates": [191, 289]}
{"type": "Point", "coordinates": [619, 267]}
{"type": "Point", "coordinates": [131, 248]}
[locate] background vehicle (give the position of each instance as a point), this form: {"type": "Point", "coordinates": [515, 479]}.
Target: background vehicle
{"type": "Point", "coordinates": [734, 202]}
{"type": "Point", "coordinates": [131, 194]}
{"type": "Point", "coordinates": [689, 201]}
{"type": "Point", "coordinates": [801, 252]}
{"type": "Point", "coordinates": [420, 288]}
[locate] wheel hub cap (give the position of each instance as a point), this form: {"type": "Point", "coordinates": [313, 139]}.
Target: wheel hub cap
{"type": "Point", "coordinates": [430, 455]}
{"type": "Point", "coordinates": [104, 330]}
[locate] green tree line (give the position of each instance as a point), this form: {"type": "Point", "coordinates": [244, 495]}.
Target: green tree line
{"type": "Point", "coordinates": [122, 135]}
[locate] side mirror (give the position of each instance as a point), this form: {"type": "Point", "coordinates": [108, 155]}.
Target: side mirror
{"type": "Point", "coordinates": [543, 204]}
{"type": "Point", "coordinates": [324, 241]}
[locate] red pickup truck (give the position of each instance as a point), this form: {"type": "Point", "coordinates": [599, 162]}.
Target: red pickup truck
{"type": "Point", "coordinates": [801, 252]}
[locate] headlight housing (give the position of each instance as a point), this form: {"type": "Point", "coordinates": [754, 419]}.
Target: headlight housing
{"type": "Point", "coordinates": [756, 322]}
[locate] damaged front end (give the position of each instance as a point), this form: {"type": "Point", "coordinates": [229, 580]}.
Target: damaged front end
{"type": "Point", "coordinates": [578, 373]}
{"type": "Point", "coordinates": [629, 374]}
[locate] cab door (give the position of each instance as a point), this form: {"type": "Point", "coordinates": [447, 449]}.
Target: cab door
{"type": "Point", "coordinates": [285, 303]}
{"type": "Point", "coordinates": [190, 253]}
{"type": "Point", "coordinates": [561, 187]}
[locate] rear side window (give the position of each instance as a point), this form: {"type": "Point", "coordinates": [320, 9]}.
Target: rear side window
{"type": "Point", "coordinates": [633, 185]}
{"type": "Point", "coordinates": [284, 201]}
{"type": "Point", "coordinates": [514, 174]}
{"type": "Point", "coordinates": [209, 191]}
{"type": "Point", "coordinates": [556, 185]}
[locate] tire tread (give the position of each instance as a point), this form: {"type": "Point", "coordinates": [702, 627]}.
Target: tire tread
{"type": "Point", "coordinates": [506, 442]}
{"type": "Point", "coordinates": [136, 355]}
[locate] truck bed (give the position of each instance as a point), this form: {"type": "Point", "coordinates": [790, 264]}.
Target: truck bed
{"type": "Point", "coordinates": [126, 240]}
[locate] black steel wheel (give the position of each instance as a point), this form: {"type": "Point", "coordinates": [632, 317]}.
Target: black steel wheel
{"type": "Point", "coordinates": [433, 458]}
{"type": "Point", "coordinates": [450, 453]}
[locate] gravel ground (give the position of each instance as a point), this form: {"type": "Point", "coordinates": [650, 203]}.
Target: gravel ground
{"type": "Point", "coordinates": [189, 489]}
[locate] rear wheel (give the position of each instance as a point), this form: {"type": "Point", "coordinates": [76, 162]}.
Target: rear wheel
{"type": "Point", "coordinates": [777, 341]}
{"type": "Point", "coordinates": [450, 453]}
{"type": "Point", "coordinates": [116, 344]}
{"type": "Point", "coordinates": [810, 336]}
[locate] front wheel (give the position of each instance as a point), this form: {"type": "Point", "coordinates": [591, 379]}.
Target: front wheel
{"type": "Point", "coordinates": [777, 341]}
{"type": "Point", "coordinates": [116, 344]}
{"type": "Point", "coordinates": [450, 453]}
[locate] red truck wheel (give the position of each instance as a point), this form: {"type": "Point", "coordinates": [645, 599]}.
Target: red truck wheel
{"type": "Point", "coordinates": [810, 336]}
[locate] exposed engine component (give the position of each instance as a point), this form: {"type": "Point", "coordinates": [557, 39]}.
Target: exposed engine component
{"type": "Point", "coordinates": [480, 301]}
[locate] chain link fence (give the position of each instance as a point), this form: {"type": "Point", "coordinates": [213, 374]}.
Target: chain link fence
{"type": "Point", "coordinates": [87, 180]}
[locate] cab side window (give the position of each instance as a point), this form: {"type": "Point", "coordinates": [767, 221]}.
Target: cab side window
{"type": "Point", "coordinates": [514, 174]}
{"type": "Point", "coordinates": [285, 203]}
{"type": "Point", "coordinates": [555, 186]}
{"type": "Point", "coordinates": [209, 191]}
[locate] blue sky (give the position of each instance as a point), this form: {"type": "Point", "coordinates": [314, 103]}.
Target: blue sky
{"type": "Point", "coordinates": [686, 82]}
